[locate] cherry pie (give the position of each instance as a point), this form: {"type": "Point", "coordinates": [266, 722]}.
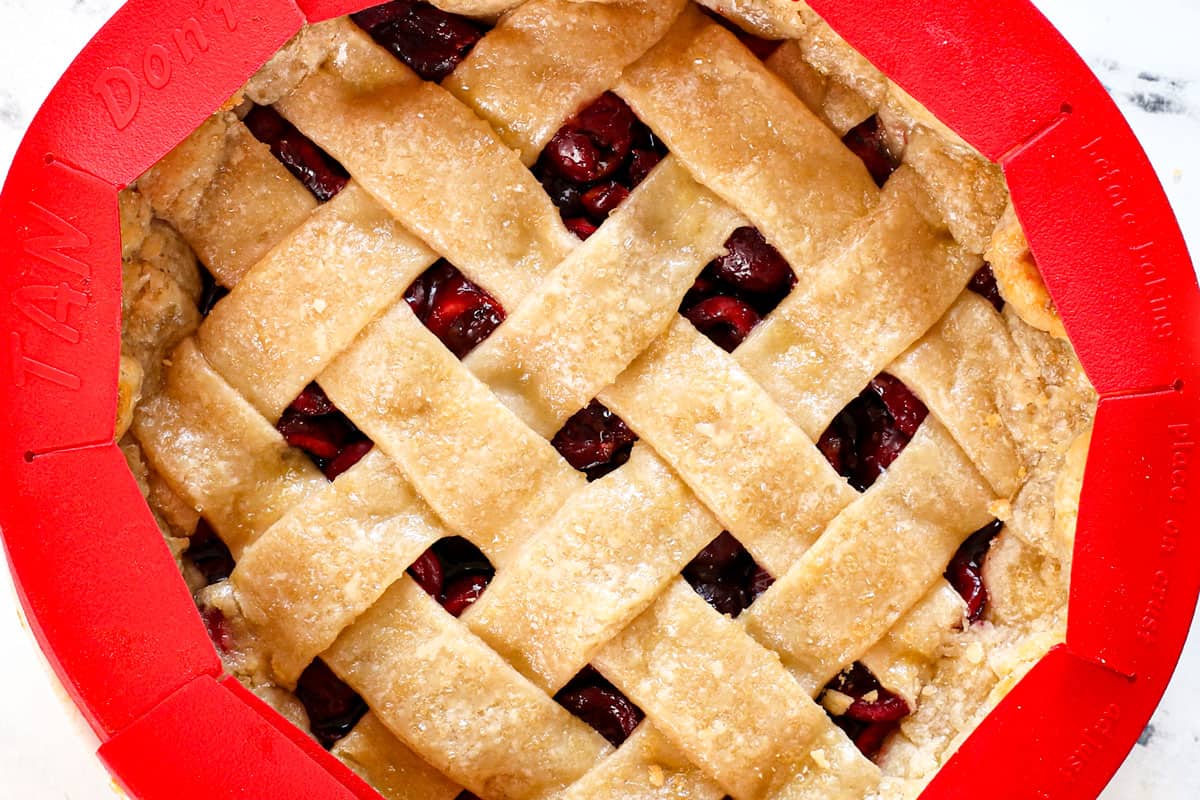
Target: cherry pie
{"type": "Point", "coordinates": [602, 399]}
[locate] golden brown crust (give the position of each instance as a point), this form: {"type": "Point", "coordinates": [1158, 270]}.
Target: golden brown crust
{"type": "Point", "coordinates": [726, 439]}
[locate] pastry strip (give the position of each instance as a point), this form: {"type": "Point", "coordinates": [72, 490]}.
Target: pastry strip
{"type": "Point", "coordinates": [877, 560]}
{"type": "Point", "coordinates": [606, 302]}
{"type": "Point", "coordinates": [735, 447]}
{"type": "Point", "coordinates": [227, 195]}
{"type": "Point", "coordinates": [439, 169]}
{"type": "Point", "coordinates": [329, 560]}
{"type": "Point", "coordinates": [720, 697]}
{"type": "Point", "coordinates": [458, 704]}
{"type": "Point", "coordinates": [766, 154]}
{"type": "Point", "coordinates": [449, 434]}
{"type": "Point", "coordinates": [549, 58]}
{"type": "Point", "coordinates": [841, 325]}
{"type": "Point", "coordinates": [220, 454]}
{"type": "Point", "coordinates": [324, 283]}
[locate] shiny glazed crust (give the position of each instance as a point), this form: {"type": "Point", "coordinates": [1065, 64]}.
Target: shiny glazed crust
{"type": "Point", "coordinates": [588, 573]}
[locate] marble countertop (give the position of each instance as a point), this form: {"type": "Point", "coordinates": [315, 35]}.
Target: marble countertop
{"type": "Point", "coordinates": [1144, 52]}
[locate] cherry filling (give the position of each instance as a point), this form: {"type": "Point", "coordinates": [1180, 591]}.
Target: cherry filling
{"type": "Point", "coordinates": [874, 714]}
{"type": "Point", "coordinates": [736, 290]}
{"type": "Point", "coordinates": [316, 169]}
{"type": "Point", "coordinates": [454, 572]}
{"type": "Point", "coordinates": [209, 555]}
{"type": "Point", "coordinates": [458, 312]}
{"type": "Point", "coordinates": [870, 433]}
{"type": "Point", "coordinates": [983, 283]}
{"type": "Point", "coordinates": [333, 707]}
{"type": "Point", "coordinates": [211, 292]}
{"type": "Point", "coordinates": [595, 160]}
{"type": "Point", "coordinates": [313, 424]}
{"type": "Point", "coordinates": [591, 698]}
{"type": "Point", "coordinates": [217, 628]}
{"type": "Point", "coordinates": [726, 576]}
{"type": "Point", "coordinates": [868, 141]}
{"type": "Point", "coordinates": [430, 41]}
{"type": "Point", "coordinates": [965, 572]}
{"type": "Point", "coordinates": [595, 441]}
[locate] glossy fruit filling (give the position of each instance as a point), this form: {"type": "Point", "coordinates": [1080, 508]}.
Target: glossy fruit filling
{"type": "Point", "coordinates": [873, 712]}
{"type": "Point", "coordinates": [726, 575]}
{"type": "Point", "coordinates": [430, 41]}
{"type": "Point", "coordinates": [868, 141]}
{"type": "Point", "coordinates": [595, 160]}
{"type": "Point", "coordinates": [595, 441]}
{"type": "Point", "coordinates": [736, 290]}
{"type": "Point", "coordinates": [333, 707]}
{"type": "Point", "coordinates": [458, 312]}
{"type": "Point", "coordinates": [454, 572]}
{"type": "Point", "coordinates": [313, 424]}
{"type": "Point", "coordinates": [208, 554]}
{"type": "Point", "coordinates": [965, 572]}
{"type": "Point", "coordinates": [591, 698]}
{"type": "Point", "coordinates": [320, 173]}
{"type": "Point", "coordinates": [871, 432]}
{"type": "Point", "coordinates": [983, 283]}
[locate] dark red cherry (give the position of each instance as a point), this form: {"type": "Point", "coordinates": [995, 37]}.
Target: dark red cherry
{"type": "Point", "coordinates": [427, 572]}
{"type": "Point", "coordinates": [603, 199]}
{"type": "Point", "coordinates": [208, 554]}
{"type": "Point", "coordinates": [983, 283]}
{"type": "Point", "coordinates": [458, 312]}
{"type": "Point", "coordinates": [726, 575]}
{"type": "Point", "coordinates": [333, 707]}
{"type": "Point", "coordinates": [313, 424]}
{"type": "Point", "coordinates": [594, 441]}
{"type": "Point", "coordinates": [868, 141]}
{"type": "Point", "coordinates": [886, 708]}
{"type": "Point", "coordinates": [870, 739]}
{"type": "Point", "coordinates": [868, 722]}
{"type": "Point", "coordinates": [313, 402]}
{"type": "Point", "coordinates": [965, 572]}
{"type": "Point", "coordinates": [316, 169]}
{"type": "Point", "coordinates": [566, 195]}
{"type": "Point", "coordinates": [752, 265]}
{"type": "Point", "coordinates": [581, 227]}
{"type": "Point", "coordinates": [454, 571]}
{"type": "Point", "coordinates": [430, 41]}
{"type": "Point", "coordinates": [217, 627]}
{"type": "Point", "coordinates": [591, 698]}
{"type": "Point", "coordinates": [717, 558]}
{"type": "Point", "coordinates": [351, 454]}
{"type": "Point", "coordinates": [760, 581]}
{"type": "Point", "coordinates": [211, 292]}
{"type": "Point", "coordinates": [321, 437]}
{"type": "Point", "coordinates": [594, 143]}
{"type": "Point", "coordinates": [463, 592]}
{"type": "Point", "coordinates": [906, 410]}
{"type": "Point", "coordinates": [725, 320]}
{"type": "Point", "coordinates": [641, 162]}
{"type": "Point", "coordinates": [577, 157]}
{"type": "Point", "coordinates": [869, 434]}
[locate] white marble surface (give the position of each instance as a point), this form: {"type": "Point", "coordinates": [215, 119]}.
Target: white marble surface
{"type": "Point", "coordinates": [1144, 52]}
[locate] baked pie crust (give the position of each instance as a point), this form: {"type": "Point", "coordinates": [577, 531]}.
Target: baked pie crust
{"type": "Point", "coordinates": [496, 372]}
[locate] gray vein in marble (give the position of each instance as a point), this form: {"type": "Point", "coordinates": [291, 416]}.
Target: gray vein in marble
{"type": "Point", "coordinates": [1152, 92]}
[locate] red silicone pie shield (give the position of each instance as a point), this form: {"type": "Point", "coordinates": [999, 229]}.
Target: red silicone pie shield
{"type": "Point", "coordinates": [104, 596]}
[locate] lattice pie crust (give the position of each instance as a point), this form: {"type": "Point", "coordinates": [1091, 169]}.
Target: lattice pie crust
{"type": "Point", "coordinates": [749, 705]}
